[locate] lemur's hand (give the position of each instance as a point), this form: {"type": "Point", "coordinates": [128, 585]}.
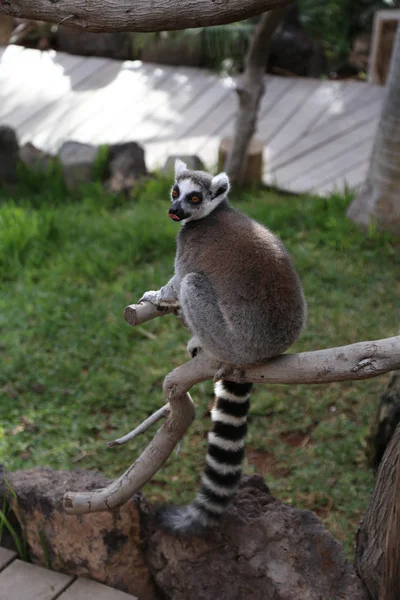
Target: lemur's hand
{"type": "Point", "coordinates": [157, 298]}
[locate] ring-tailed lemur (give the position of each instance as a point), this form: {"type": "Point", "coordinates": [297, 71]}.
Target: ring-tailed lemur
{"type": "Point", "coordinates": [242, 300]}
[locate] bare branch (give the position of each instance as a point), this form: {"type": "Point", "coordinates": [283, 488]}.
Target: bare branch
{"type": "Point", "coordinates": [135, 314]}
{"type": "Point", "coordinates": [250, 90]}
{"type": "Point", "coordinates": [161, 413]}
{"type": "Point", "coordinates": [138, 15]}
{"type": "Point", "coordinates": [346, 363]}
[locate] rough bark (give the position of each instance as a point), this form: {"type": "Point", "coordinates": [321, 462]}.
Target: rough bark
{"type": "Point", "coordinates": [138, 15]}
{"type": "Point", "coordinates": [378, 201]}
{"type": "Point", "coordinates": [250, 90]}
{"type": "Point", "coordinates": [264, 549]}
{"type": "Point", "coordinates": [378, 548]}
{"type": "Point", "coordinates": [385, 424]}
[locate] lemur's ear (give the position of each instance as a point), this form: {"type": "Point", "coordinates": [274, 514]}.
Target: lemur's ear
{"type": "Point", "coordinates": [179, 167]}
{"type": "Point", "coordinates": [220, 185]}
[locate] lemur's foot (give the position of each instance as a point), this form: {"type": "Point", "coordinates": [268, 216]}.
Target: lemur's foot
{"type": "Point", "coordinates": [155, 298]}
{"type": "Point", "coordinates": [194, 346]}
{"type": "Point", "coordinates": [228, 371]}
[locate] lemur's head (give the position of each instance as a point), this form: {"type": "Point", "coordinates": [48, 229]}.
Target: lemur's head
{"type": "Point", "coordinates": [196, 193]}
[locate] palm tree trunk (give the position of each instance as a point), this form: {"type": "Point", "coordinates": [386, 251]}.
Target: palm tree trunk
{"type": "Point", "coordinates": [379, 198]}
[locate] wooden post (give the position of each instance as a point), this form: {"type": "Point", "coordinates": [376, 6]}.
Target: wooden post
{"type": "Point", "coordinates": [253, 175]}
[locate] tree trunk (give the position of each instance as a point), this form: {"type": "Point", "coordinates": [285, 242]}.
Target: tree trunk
{"type": "Point", "coordinates": [378, 200]}
{"type": "Point", "coordinates": [250, 90]}
{"type": "Point", "coordinates": [387, 419]}
{"type": "Point", "coordinates": [378, 547]}
{"type": "Point", "coordinates": [138, 15]}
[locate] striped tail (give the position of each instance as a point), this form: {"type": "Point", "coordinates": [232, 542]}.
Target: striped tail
{"type": "Point", "coordinates": [223, 463]}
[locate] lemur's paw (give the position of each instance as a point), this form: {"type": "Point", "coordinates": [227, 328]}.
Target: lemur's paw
{"type": "Point", "coordinates": [194, 346]}
{"type": "Point", "coordinates": [227, 371]}
{"type": "Point", "coordinates": [155, 298]}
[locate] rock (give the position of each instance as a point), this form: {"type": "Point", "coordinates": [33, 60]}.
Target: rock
{"type": "Point", "coordinates": [264, 550]}
{"type": "Point", "coordinates": [126, 167]}
{"type": "Point", "coordinates": [77, 162]}
{"type": "Point", "coordinates": [106, 547]}
{"type": "Point", "coordinates": [8, 154]}
{"type": "Point", "coordinates": [34, 158]}
{"type": "Point", "coordinates": [193, 162]}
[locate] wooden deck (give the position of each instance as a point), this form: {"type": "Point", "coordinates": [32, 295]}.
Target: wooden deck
{"type": "Point", "coordinates": [23, 581]}
{"type": "Point", "coordinates": [317, 134]}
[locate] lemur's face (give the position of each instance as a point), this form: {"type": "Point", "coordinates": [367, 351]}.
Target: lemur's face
{"type": "Point", "coordinates": [195, 194]}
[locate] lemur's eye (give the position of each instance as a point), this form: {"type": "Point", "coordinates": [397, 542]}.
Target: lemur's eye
{"type": "Point", "coordinates": [195, 199]}
{"type": "Point", "coordinates": [175, 193]}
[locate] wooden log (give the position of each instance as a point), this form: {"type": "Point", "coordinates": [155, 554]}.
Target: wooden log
{"type": "Point", "coordinates": [253, 175]}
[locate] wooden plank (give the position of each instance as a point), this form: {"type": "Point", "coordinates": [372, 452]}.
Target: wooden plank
{"type": "Point", "coordinates": [354, 96]}
{"type": "Point", "coordinates": [49, 96]}
{"type": "Point", "coordinates": [341, 161]}
{"type": "Point", "coordinates": [49, 128]}
{"type": "Point", "coordinates": [283, 110]}
{"type": "Point", "coordinates": [313, 144]}
{"type": "Point", "coordinates": [106, 114]}
{"type": "Point", "coordinates": [6, 556]}
{"type": "Point", "coordinates": [24, 581]}
{"type": "Point", "coordinates": [353, 178]}
{"type": "Point", "coordinates": [46, 80]}
{"type": "Point", "coordinates": [207, 147]}
{"type": "Point", "coordinates": [194, 114]}
{"type": "Point", "coordinates": [162, 107]}
{"type": "Point", "coordinates": [85, 589]}
{"type": "Point", "coordinates": [302, 120]}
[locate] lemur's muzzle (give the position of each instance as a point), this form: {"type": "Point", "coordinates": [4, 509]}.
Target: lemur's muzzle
{"type": "Point", "coordinates": [176, 212]}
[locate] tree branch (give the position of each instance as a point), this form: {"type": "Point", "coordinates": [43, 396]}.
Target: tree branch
{"type": "Point", "coordinates": [362, 360]}
{"type": "Point", "coordinates": [250, 90]}
{"type": "Point", "coordinates": [138, 15]}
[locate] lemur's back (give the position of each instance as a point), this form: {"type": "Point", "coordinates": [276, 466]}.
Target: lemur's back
{"type": "Point", "coordinates": [242, 301]}
{"type": "Point", "coordinates": [252, 276]}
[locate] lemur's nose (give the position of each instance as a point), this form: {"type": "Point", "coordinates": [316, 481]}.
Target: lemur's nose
{"type": "Point", "coordinates": [175, 212]}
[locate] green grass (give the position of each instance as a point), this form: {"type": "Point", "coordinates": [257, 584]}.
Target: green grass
{"type": "Point", "coordinates": [74, 375]}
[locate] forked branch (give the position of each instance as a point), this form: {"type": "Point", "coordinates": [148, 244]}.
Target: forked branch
{"type": "Point", "coordinates": [362, 360]}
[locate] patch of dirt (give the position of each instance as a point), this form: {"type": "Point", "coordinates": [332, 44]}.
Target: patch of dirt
{"type": "Point", "coordinates": [265, 463]}
{"type": "Point", "coordinates": [296, 439]}
{"type": "Point", "coordinates": [319, 502]}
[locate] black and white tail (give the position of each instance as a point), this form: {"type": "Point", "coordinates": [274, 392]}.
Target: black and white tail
{"type": "Point", "coordinates": [223, 463]}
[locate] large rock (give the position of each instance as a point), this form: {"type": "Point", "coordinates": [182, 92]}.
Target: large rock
{"type": "Point", "coordinates": [9, 154]}
{"type": "Point", "coordinates": [77, 162]}
{"type": "Point", "coordinates": [35, 159]}
{"type": "Point", "coordinates": [106, 547]}
{"type": "Point", "coordinates": [126, 167]}
{"type": "Point", "coordinates": [265, 550]}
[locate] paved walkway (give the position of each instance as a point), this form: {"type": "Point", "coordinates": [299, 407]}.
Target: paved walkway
{"type": "Point", "coordinates": [23, 581]}
{"type": "Point", "coordinates": [317, 134]}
